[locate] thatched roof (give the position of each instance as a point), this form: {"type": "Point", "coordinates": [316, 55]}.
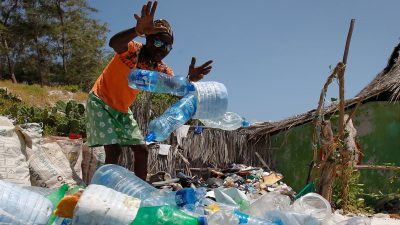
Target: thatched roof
{"type": "Point", "coordinates": [386, 86]}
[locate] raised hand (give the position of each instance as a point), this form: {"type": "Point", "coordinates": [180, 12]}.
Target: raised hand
{"type": "Point", "coordinates": [198, 73]}
{"type": "Point", "coordinates": [144, 24]}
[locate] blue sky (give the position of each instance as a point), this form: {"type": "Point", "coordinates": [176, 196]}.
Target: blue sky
{"type": "Point", "coordinates": [273, 56]}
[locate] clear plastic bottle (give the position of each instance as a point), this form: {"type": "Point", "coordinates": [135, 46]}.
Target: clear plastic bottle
{"type": "Point", "coordinates": [175, 116]}
{"type": "Point", "coordinates": [125, 181]}
{"type": "Point", "coordinates": [268, 202]}
{"type": "Point", "coordinates": [100, 205]}
{"type": "Point", "coordinates": [21, 206]}
{"type": "Point", "coordinates": [229, 121]}
{"type": "Point", "coordinates": [158, 82]}
{"type": "Point", "coordinates": [314, 205]}
{"type": "Point", "coordinates": [290, 218]}
{"type": "Point", "coordinates": [166, 215]}
{"type": "Point", "coordinates": [212, 99]}
{"type": "Point", "coordinates": [237, 217]}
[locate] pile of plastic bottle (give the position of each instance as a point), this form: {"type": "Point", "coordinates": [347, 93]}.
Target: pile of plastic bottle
{"type": "Point", "coordinates": [116, 196]}
{"type": "Point", "coordinates": [206, 101]}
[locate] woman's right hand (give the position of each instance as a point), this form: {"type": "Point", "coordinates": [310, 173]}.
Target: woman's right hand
{"type": "Point", "coordinates": [145, 24]}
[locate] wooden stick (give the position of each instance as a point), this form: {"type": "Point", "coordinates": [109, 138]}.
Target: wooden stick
{"type": "Point", "coordinates": [341, 81]}
{"type": "Point", "coordinates": [377, 167]}
{"type": "Point", "coordinates": [262, 161]}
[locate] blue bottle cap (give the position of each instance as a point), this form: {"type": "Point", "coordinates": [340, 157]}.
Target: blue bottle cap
{"type": "Point", "coordinates": [203, 220]}
{"type": "Point", "coordinates": [185, 196]}
{"type": "Point", "coordinates": [198, 130]}
{"type": "Point", "coordinates": [150, 137]}
{"type": "Point", "coordinates": [191, 87]}
{"type": "Point", "coordinates": [243, 218]}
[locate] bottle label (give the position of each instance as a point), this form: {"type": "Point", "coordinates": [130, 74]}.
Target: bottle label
{"type": "Point", "coordinates": [145, 79]}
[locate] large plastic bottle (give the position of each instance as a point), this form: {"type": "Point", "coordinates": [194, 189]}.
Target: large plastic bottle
{"type": "Point", "coordinates": [314, 205]}
{"type": "Point", "coordinates": [237, 217]}
{"type": "Point", "coordinates": [166, 215]}
{"type": "Point", "coordinates": [268, 202]}
{"type": "Point", "coordinates": [21, 206]}
{"type": "Point", "coordinates": [229, 121]}
{"type": "Point", "coordinates": [100, 205]}
{"type": "Point", "coordinates": [175, 116]}
{"type": "Point", "coordinates": [290, 218]}
{"type": "Point", "coordinates": [158, 82]}
{"type": "Point", "coordinates": [125, 181]}
{"type": "Point", "coordinates": [212, 99]}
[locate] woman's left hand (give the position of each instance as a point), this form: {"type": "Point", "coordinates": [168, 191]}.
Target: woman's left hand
{"type": "Point", "coordinates": [198, 73]}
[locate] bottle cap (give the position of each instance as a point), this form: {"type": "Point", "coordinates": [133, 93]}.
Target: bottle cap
{"type": "Point", "coordinates": [243, 218]}
{"type": "Point", "coordinates": [185, 196]}
{"type": "Point", "coordinates": [245, 123]}
{"type": "Point", "coordinates": [150, 137]}
{"type": "Point", "coordinates": [191, 87]}
{"type": "Point", "coordinates": [203, 220]}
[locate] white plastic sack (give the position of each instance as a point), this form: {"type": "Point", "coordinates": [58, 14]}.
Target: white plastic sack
{"type": "Point", "coordinates": [13, 165]}
{"type": "Point", "coordinates": [49, 167]}
{"type": "Point", "coordinates": [72, 149]}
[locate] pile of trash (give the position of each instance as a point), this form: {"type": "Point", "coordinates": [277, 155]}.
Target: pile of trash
{"type": "Point", "coordinates": [57, 180]}
{"type": "Point", "coordinates": [116, 196]}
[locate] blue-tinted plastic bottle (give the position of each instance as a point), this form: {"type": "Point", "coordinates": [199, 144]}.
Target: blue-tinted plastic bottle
{"type": "Point", "coordinates": [125, 181]}
{"type": "Point", "coordinates": [157, 82]}
{"type": "Point", "coordinates": [175, 116]}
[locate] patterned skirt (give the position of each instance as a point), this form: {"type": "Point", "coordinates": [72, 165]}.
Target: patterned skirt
{"type": "Point", "coordinates": [106, 126]}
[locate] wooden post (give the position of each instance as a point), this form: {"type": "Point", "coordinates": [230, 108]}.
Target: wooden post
{"type": "Point", "coordinates": [346, 164]}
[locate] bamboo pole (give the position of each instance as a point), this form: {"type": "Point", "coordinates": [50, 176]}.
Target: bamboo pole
{"type": "Point", "coordinates": [376, 167]}
{"type": "Point", "coordinates": [345, 156]}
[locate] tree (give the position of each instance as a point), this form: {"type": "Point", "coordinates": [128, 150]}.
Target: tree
{"type": "Point", "coordinates": [9, 12]}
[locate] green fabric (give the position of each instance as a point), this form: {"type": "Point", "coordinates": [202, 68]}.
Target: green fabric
{"type": "Point", "coordinates": [106, 126]}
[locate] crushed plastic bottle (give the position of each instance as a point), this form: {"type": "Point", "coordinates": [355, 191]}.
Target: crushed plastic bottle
{"type": "Point", "coordinates": [229, 121]}
{"type": "Point", "coordinates": [125, 181]}
{"type": "Point", "coordinates": [175, 116]}
{"type": "Point", "coordinates": [269, 202]}
{"type": "Point", "coordinates": [101, 205]}
{"type": "Point", "coordinates": [315, 205]}
{"type": "Point", "coordinates": [166, 215]}
{"type": "Point", "coordinates": [21, 206]}
{"type": "Point", "coordinates": [237, 217]}
{"type": "Point", "coordinates": [290, 218]}
{"type": "Point", "coordinates": [158, 82]}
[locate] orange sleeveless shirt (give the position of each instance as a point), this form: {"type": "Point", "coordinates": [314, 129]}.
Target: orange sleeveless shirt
{"type": "Point", "coordinates": [112, 85]}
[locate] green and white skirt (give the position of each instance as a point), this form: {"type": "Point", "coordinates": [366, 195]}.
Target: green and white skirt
{"type": "Point", "coordinates": [106, 126]}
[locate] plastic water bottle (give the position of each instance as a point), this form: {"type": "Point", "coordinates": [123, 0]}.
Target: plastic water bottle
{"type": "Point", "coordinates": [166, 215]}
{"type": "Point", "coordinates": [314, 205]}
{"type": "Point", "coordinates": [101, 205]}
{"type": "Point", "coordinates": [237, 217]}
{"type": "Point", "coordinates": [229, 121]}
{"type": "Point", "coordinates": [269, 202]}
{"type": "Point", "coordinates": [175, 116]}
{"type": "Point", "coordinates": [212, 99]}
{"type": "Point", "coordinates": [124, 181]}
{"type": "Point", "coordinates": [290, 218]}
{"type": "Point", "coordinates": [21, 206]}
{"type": "Point", "coordinates": [158, 82]}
